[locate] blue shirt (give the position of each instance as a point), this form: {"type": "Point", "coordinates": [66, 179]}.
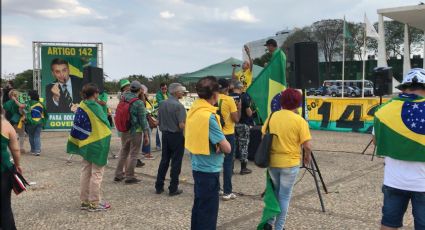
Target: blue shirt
{"type": "Point", "coordinates": [210, 163]}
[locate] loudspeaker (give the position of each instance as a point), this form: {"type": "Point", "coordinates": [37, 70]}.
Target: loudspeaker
{"type": "Point", "coordinates": [303, 65]}
{"type": "Point", "coordinates": [382, 81]}
{"type": "Point", "coordinates": [93, 75]}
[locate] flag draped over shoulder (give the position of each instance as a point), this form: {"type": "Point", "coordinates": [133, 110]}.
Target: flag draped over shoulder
{"type": "Point", "coordinates": [400, 128]}
{"type": "Point", "coordinates": [271, 204]}
{"type": "Point", "coordinates": [267, 86]}
{"type": "Point", "coordinates": [90, 134]}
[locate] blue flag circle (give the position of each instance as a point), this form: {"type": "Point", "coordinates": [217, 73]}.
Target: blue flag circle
{"type": "Point", "coordinates": [82, 127]}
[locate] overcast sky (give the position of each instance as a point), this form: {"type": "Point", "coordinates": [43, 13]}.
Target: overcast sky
{"type": "Point", "coordinates": [163, 36]}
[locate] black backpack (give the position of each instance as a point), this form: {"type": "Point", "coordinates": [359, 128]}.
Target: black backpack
{"type": "Point", "coordinates": [222, 122]}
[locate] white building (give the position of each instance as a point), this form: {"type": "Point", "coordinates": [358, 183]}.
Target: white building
{"type": "Point", "coordinates": [257, 47]}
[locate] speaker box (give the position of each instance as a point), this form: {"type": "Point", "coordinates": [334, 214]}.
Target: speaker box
{"type": "Point", "coordinates": [303, 65]}
{"type": "Point", "coordinates": [382, 81]}
{"type": "Point", "coordinates": [93, 75]}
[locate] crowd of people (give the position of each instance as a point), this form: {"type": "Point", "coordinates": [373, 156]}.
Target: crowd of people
{"type": "Point", "coordinates": [214, 130]}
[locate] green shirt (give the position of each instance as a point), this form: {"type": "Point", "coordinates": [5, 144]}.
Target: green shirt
{"type": "Point", "coordinates": [12, 111]}
{"type": "Point", "coordinates": [137, 114]}
{"type": "Point", "coordinates": [5, 155]}
{"type": "Point", "coordinates": [104, 97]}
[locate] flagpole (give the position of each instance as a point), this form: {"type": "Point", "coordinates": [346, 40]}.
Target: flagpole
{"type": "Point", "coordinates": [364, 56]}
{"type": "Point", "coordinates": [343, 57]}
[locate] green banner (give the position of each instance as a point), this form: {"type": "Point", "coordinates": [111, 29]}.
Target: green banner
{"type": "Point", "coordinates": [62, 81]}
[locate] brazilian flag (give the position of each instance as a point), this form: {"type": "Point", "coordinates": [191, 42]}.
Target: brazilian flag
{"type": "Point", "coordinates": [271, 204]}
{"type": "Point", "coordinates": [35, 113]}
{"type": "Point", "coordinates": [267, 86]}
{"type": "Point", "coordinates": [400, 128]}
{"type": "Point", "coordinates": [90, 135]}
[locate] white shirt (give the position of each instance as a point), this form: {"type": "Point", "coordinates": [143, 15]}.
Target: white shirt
{"type": "Point", "coordinates": [68, 87]}
{"type": "Point", "coordinates": [405, 175]}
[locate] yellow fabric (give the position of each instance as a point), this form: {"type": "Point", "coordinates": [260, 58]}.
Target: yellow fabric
{"type": "Point", "coordinates": [274, 88]}
{"type": "Point", "coordinates": [228, 106]}
{"type": "Point", "coordinates": [75, 71]}
{"type": "Point", "coordinates": [291, 131]}
{"type": "Point", "coordinates": [388, 116]}
{"type": "Point", "coordinates": [245, 77]}
{"type": "Point", "coordinates": [197, 127]}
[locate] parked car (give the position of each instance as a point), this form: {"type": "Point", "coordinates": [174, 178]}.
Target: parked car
{"type": "Point", "coordinates": [310, 91]}
{"type": "Point", "coordinates": [357, 92]}
{"type": "Point", "coordinates": [322, 91]}
{"type": "Point", "coordinates": [336, 91]}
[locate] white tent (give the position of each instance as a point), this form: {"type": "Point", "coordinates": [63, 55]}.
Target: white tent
{"type": "Point", "coordinates": [409, 15]}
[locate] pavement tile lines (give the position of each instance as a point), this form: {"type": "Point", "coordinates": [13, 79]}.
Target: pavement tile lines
{"type": "Point", "coordinates": [246, 210]}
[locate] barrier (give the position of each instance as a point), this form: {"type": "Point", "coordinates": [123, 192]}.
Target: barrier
{"type": "Point", "coordinates": [342, 114]}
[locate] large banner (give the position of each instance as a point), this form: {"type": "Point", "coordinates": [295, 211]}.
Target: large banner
{"type": "Point", "coordinates": [338, 114]}
{"type": "Point", "coordinates": [62, 81]}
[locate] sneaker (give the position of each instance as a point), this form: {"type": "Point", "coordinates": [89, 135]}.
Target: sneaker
{"type": "Point", "coordinates": [227, 197]}
{"type": "Point", "coordinates": [158, 148]}
{"type": "Point", "coordinates": [149, 157]}
{"type": "Point", "coordinates": [35, 154]}
{"type": "Point", "coordinates": [220, 193]}
{"type": "Point", "coordinates": [175, 193]}
{"type": "Point", "coordinates": [85, 205]}
{"type": "Point", "coordinates": [117, 179]}
{"type": "Point", "coordinates": [245, 171]}
{"type": "Point", "coordinates": [159, 191]}
{"type": "Point", "coordinates": [132, 181]}
{"type": "Point", "coordinates": [103, 206]}
{"type": "Point", "coordinates": [139, 163]}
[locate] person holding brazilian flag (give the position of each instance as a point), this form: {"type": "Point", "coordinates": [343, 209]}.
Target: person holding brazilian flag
{"type": "Point", "coordinates": [90, 138]}
{"type": "Point", "coordinates": [399, 136]}
{"type": "Point", "coordinates": [35, 118]}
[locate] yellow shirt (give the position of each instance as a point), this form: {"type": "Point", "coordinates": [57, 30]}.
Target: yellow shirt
{"type": "Point", "coordinates": [291, 131]}
{"type": "Point", "coordinates": [228, 106]}
{"type": "Point", "coordinates": [245, 77]}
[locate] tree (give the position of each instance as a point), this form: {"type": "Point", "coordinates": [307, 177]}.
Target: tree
{"type": "Point", "coordinates": [298, 35]}
{"type": "Point", "coordinates": [112, 86]}
{"type": "Point", "coordinates": [394, 38]}
{"type": "Point", "coordinates": [23, 81]}
{"type": "Point", "coordinates": [328, 34]}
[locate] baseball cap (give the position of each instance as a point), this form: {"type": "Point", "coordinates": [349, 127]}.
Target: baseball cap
{"type": "Point", "coordinates": [135, 85]}
{"type": "Point", "coordinates": [271, 42]}
{"type": "Point", "coordinates": [124, 82]}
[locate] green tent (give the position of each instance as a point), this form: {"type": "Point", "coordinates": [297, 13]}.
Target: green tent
{"type": "Point", "coordinates": [220, 70]}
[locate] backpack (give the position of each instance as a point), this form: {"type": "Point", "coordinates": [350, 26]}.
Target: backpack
{"type": "Point", "coordinates": [122, 114]}
{"type": "Point", "coordinates": [35, 113]}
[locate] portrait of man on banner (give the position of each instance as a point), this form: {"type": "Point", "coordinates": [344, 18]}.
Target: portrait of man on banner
{"type": "Point", "coordinates": [63, 94]}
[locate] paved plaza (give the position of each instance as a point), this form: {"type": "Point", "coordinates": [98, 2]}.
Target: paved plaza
{"type": "Point", "coordinates": [353, 202]}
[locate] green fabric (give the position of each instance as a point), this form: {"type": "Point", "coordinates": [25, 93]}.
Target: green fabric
{"type": "Point", "coordinates": [5, 155]}
{"type": "Point", "coordinates": [160, 97]}
{"type": "Point", "coordinates": [104, 97]}
{"type": "Point", "coordinates": [137, 114]}
{"type": "Point", "coordinates": [95, 152]}
{"type": "Point", "coordinates": [271, 204]}
{"type": "Point", "coordinates": [347, 35]}
{"type": "Point", "coordinates": [261, 91]}
{"type": "Point", "coordinates": [12, 111]}
{"type": "Point", "coordinates": [400, 148]}
{"type": "Point", "coordinates": [29, 119]}
{"type": "Point", "coordinates": [219, 70]}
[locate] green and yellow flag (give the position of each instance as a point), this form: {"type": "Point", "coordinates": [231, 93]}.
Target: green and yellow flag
{"type": "Point", "coordinates": [400, 128]}
{"type": "Point", "coordinates": [267, 86]}
{"type": "Point", "coordinates": [90, 135]}
{"type": "Point", "coordinates": [271, 204]}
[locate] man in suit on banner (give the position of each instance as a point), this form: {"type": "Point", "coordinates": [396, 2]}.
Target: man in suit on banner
{"type": "Point", "coordinates": [63, 95]}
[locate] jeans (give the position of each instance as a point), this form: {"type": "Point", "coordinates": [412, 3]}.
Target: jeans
{"type": "Point", "coordinates": [157, 138]}
{"type": "Point", "coordinates": [6, 215]}
{"type": "Point", "coordinates": [147, 148]}
{"type": "Point", "coordinates": [205, 205]}
{"type": "Point", "coordinates": [172, 150]}
{"type": "Point", "coordinates": [283, 181]}
{"type": "Point", "coordinates": [228, 166]}
{"type": "Point", "coordinates": [395, 205]}
{"type": "Point", "coordinates": [34, 133]}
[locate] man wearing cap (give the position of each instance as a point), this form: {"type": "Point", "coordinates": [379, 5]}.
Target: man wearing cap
{"type": "Point", "coordinates": [230, 112]}
{"type": "Point", "coordinates": [399, 135]}
{"type": "Point", "coordinates": [245, 74]}
{"type": "Point", "coordinates": [171, 117]}
{"type": "Point", "coordinates": [242, 128]}
{"type": "Point", "coordinates": [132, 139]}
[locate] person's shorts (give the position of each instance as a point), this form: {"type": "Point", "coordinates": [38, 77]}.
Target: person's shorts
{"type": "Point", "coordinates": [395, 205]}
